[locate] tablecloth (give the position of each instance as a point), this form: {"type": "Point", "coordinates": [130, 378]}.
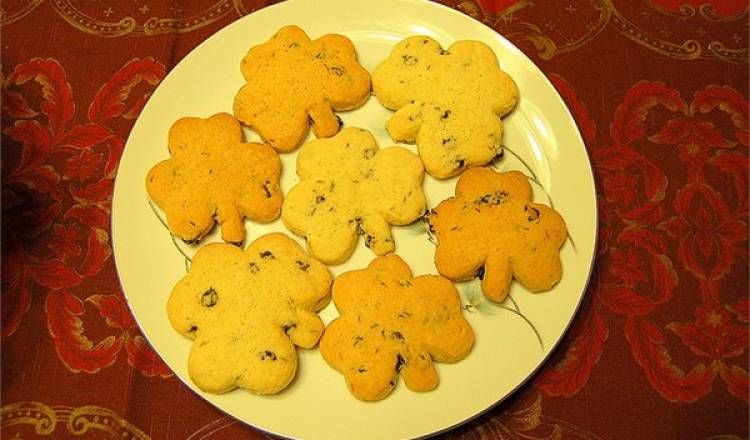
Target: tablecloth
{"type": "Point", "coordinates": [658, 88]}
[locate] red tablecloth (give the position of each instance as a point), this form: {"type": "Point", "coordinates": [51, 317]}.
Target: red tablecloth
{"type": "Point", "coordinates": [658, 88]}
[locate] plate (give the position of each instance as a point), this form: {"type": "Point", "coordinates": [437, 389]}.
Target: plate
{"type": "Point", "coordinates": [512, 339]}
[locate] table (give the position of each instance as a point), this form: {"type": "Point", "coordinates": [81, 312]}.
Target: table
{"type": "Point", "coordinates": [659, 91]}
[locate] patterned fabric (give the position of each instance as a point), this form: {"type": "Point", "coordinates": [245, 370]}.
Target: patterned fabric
{"type": "Point", "coordinates": [659, 89]}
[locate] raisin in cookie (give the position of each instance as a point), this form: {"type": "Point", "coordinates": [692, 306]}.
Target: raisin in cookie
{"type": "Point", "coordinates": [213, 176]}
{"type": "Point", "coordinates": [247, 310]}
{"type": "Point", "coordinates": [492, 228]}
{"type": "Point", "coordinates": [447, 101]}
{"type": "Point", "coordinates": [291, 80]}
{"type": "Point", "coordinates": [348, 186]}
{"type": "Point", "coordinates": [391, 323]}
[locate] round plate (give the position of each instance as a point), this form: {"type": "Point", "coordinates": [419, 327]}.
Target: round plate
{"type": "Point", "coordinates": [512, 339]}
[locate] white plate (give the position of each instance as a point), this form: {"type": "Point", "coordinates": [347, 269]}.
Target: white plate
{"type": "Point", "coordinates": [318, 404]}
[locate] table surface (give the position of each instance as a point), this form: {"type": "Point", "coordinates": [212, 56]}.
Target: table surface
{"type": "Point", "coordinates": [658, 89]}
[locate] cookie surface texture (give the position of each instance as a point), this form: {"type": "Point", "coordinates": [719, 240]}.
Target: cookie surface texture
{"type": "Point", "coordinates": [291, 78]}
{"type": "Point", "coordinates": [447, 101]}
{"type": "Point", "coordinates": [348, 186]}
{"type": "Point", "coordinates": [492, 229]}
{"type": "Point", "coordinates": [246, 310]}
{"type": "Point", "coordinates": [391, 323]}
{"type": "Point", "coordinates": [213, 177]}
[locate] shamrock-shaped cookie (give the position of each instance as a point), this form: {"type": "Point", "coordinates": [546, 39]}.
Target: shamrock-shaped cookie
{"type": "Point", "coordinates": [349, 187]}
{"type": "Point", "coordinates": [213, 176]}
{"type": "Point", "coordinates": [391, 323]}
{"type": "Point", "coordinates": [448, 101]}
{"type": "Point", "coordinates": [247, 310]}
{"type": "Point", "coordinates": [291, 80]}
{"type": "Point", "coordinates": [492, 229]}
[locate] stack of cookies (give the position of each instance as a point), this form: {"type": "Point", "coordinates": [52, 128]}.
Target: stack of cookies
{"type": "Point", "coordinates": [248, 309]}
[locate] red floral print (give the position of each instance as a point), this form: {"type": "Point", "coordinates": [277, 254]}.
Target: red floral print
{"type": "Point", "coordinates": [709, 236]}
{"type": "Point", "coordinates": [59, 192]}
{"type": "Point", "coordinates": [635, 274]}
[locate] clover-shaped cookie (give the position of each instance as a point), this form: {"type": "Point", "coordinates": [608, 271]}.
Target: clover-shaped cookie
{"type": "Point", "coordinates": [492, 229]}
{"type": "Point", "coordinates": [213, 176]}
{"type": "Point", "coordinates": [247, 310]}
{"type": "Point", "coordinates": [391, 323]}
{"type": "Point", "coordinates": [448, 101]}
{"type": "Point", "coordinates": [349, 187]}
{"type": "Point", "coordinates": [291, 80]}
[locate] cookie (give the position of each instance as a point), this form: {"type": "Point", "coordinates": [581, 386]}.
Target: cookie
{"type": "Point", "coordinates": [447, 101]}
{"type": "Point", "coordinates": [348, 186]}
{"type": "Point", "coordinates": [491, 229]}
{"type": "Point", "coordinates": [291, 80]}
{"type": "Point", "coordinates": [392, 323]}
{"type": "Point", "coordinates": [246, 310]}
{"type": "Point", "coordinates": [212, 176]}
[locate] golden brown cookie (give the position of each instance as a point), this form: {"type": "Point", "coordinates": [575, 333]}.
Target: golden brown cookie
{"type": "Point", "coordinates": [213, 176]}
{"type": "Point", "coordinates": [247, 310]}
{"type": "Point", "coordinates": [349, 186]}
{"type": "Point", "coordinates": [292, 80]}
{"type": "Point", "coordinates": [492, 229]}
{"type": "Point", "coordinates": [447, 101]}
{"type": "Point", "coordinates": [391, 323]}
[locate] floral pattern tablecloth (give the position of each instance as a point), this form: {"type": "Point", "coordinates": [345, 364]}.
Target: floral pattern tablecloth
{"type": "Point", "coordinates": [659, 89]}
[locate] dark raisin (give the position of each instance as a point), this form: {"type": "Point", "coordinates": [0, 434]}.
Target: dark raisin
{"type": "Point", "coordinates": [268, 355]}
{"type": "Point", "coordinates": [391, 383]}
{"type": "Point", "coordinates": [446, 114]}
{"type": "Point", "coordinates": [444, 52]}
{"type": "Point", "coordinates": [360, 231]}
{"type": "Point", "coordinates": [409, 60]}
{"type": "Point", "coordinates": [236, 243]}
{"type": "Point", "coordinates": [362, 369]}
{"type": "Point", "coordinates": [369, 239]}
{"type": "Point", "coordinates": [209, 298]}
{"type": "Point", "coordinates": [193, 329]}
{"type": "Point", "coordinates": [369, 153]}
{"type": "Point", "coordinates": [338, 71]}
{"type": "Point", "coordinates": [192, 223]}
{"type": "Point", "coordinates": [400, 362]}
{"type": "Point", "coordinates": [499, 154]}
{"type": "Point", "coordinates": [267, 188]}
{"type": "Point", "coordinates": [424, 41]}
{"type": "Point", "coordinates": [254, 268]}
{"type": "Point", "coordinates": [320, 199]}
{"type": "Point", "coordinates": [267, 255]}
{"type": "Point", "coordinates": [357, 340]}
{"type": "Point", "coordinates": [404, 314]}
{"type": "Point", "coordinates": [397, 335]}
{"type": "Point", "coordinates": [460, 163]}
{"type": "Point", "coordinates": [532, 212]}
{"type": "Point", "coordinates": [447, 140]}
{"type": "Point", "coordinates": [289, 326]}
{"type": "Point", "coordinates": [302, 265]}
{"type": "Point", "coordinates": [480, 273]}
{"type": "Point", "coordinates": [404, 283]}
